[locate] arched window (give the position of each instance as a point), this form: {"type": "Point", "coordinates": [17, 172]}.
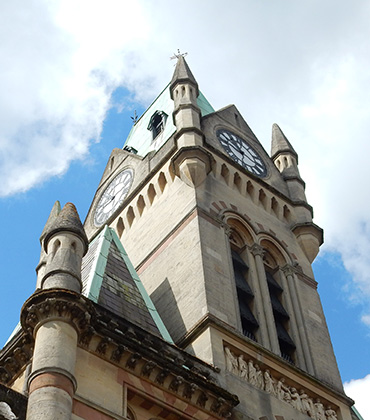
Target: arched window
{"type": "Point", "coordinates": [245, 297]}
{"type": "Point", "coordinates": [281, 316]}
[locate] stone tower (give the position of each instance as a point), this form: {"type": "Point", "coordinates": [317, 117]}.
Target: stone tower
{"type": "Point", "coordinates": [222, 238]}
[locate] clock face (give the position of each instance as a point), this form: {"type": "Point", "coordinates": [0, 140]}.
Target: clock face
{"type": "Point", "coordinates": [242, 153]}
{"type": "Point", "coordinates": [113, 196]}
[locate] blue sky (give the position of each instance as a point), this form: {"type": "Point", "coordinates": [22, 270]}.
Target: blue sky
{"type": "Point", "coordinates": [73, 72]}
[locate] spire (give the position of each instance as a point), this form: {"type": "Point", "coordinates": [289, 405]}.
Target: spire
{"type": "Point", "coordinates": [183, 74]}
{"type": "Point", "coordinates": [67, 220]}
{"type": "Point", "coordinates": [52, 216]}
{"type": "Point", "coordinates": [280, 144]}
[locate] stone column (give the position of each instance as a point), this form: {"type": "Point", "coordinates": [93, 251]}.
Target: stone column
{"type": "Point", "coordinates": [55, 318]}
{"type": "Point", "coordinates": [255, 282]}
{"type": "Point", "coordinates": [297, 308]}
{"type": "Point", "coordinates": [258, 251]}
{"type": "Point", "coordinates": [293, 322]}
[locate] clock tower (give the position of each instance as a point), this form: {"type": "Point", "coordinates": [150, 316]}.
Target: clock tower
{"type": "Point", "coordinates": [222, 237]}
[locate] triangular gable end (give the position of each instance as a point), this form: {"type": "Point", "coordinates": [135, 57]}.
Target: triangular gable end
{"type": "Point", "coordinates": [109, 279]}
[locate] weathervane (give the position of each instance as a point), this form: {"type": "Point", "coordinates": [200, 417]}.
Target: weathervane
{"type": "Point", "coordinates": [135, 117]}
{"type": "Point", "coordinates": [178, 55]}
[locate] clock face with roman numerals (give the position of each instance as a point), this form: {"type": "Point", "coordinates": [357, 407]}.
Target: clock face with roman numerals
{"type": "Point", "coordinates": [113, 196]}
{"type": "Point", "coordinates": [242, 153]}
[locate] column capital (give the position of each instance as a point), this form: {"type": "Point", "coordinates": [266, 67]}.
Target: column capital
{"type": "Point", "coordinates": [257, 249]}
{"type": "Point", "coordinates": [288, 270]}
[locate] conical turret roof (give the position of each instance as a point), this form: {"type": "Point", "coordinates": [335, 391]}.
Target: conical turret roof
{"type": "Point", "coordinates": [183, 74]}
{"type": "Point", "coordinates": [279, 143]}
{"type": "Point", "coordinates": [67, 220]}
{"type": "Point", "coordinates": [52, 216]}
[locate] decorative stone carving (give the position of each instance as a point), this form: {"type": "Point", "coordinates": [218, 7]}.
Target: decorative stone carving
{"type": "Point", "coordinates": [231, 361]}
{"type": "Point", "coordinates": [6, 412]}
{"type": "Point", "coordinates": [132, 360]}
{"type": "Point", "coordinates": [117, 354]}
{"type": "Point", "coordinates": [259, 378]}
{"type": "Point", "coordinates": [288, 270]}
{"type": "Point", "coordinates": [189, 390]}
{"type": "Point", "coordinates": [56, 304]}
{"type": "Point", "coordinates": [331, 414]}
{"type": "Point", "coordinates": [148, 368]}
{"type": "Point", "coordinates": [263, 380]}
{"type": "Point", "coordinates": [103, 345]}
{"type": "Point", "coordinates": [269, 383]}
{"type": "Point", "coordinates": [162, 375]}
{"type": "Point", "coordinates": [243, 367]}
{"type": "Point", "coordinates": [257, 249]}
{"type": "Point", "coordinates": [252, 373]}
{"type": "Point", "coordinates": [175, 383]}
{"type": "Point", "coordinates": [202, 399]}
{"type": "Point", "coordinates": [320, 411]}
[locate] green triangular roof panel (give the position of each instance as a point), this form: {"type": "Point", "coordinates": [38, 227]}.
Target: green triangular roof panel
{"type": "Point", "coordinates": [141, 138]}
{"type": "Point", "coordinates": [110, 280]}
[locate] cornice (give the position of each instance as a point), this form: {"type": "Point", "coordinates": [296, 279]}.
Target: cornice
{"type": "Point", "coordinates": [121, 343]}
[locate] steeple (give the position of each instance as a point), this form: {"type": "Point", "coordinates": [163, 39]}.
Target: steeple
{"type": "Point", "coordinates": [40, 269]}
{"type": "Point", "coordinates": [285, 159]}
{"type": "Point", "coordinates": [183, 74]}
{"type": "Point", "coordinates": [52, 216]}
{"type": "Point", "coordinates": [64, 243]}
{"type": "Point", "coordinates": [280, 144]}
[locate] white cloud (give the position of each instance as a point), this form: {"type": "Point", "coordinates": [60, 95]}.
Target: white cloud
{"type": "Point", "coordinates": [359, 390]}
{"type": "Point", "coordinates": [304, 66]}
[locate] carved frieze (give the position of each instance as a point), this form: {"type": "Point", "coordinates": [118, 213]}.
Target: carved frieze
{"type": "Point", "coordinates": [250, 371]}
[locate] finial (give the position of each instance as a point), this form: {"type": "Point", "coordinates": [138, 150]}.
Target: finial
{"type": "Point", "coordinates": [135, 117]}
{"type": "Point", "coordinates": [178, 55]}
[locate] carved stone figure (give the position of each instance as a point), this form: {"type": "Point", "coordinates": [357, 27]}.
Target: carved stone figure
{"type": "Point", "coordinates": [259, 378]}
{"type": "Point", "coordinates": [269, 383]}
{"type": "Point", "coordinates": [231, 361]}
{"type": "Point", "coordinates": [307, 404]}
{"type": "Point", "coordinates": [281, 390]}
{"type": "Point", "coordinates": [296, 400]}
{"type": "Point", "coordinates": [320, 411]}
{"type": "Point", "coordinates": [252, 373]}
{"type": "Point", "coordinates": [243, 368]}
{"type": "Point", "coordinates": [331, 414]}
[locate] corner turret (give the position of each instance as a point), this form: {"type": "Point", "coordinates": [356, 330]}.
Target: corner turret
{"type": "Point", "coordinates": [192, 163]}
{"type": "Point", "coordinates": [285, 159]}
{"type": "Point", "coordinates": [64, 243]}
{"type": "Point", "coordinates": [40, 269]}
{"type": "Point", "coordinates": [186, 116]}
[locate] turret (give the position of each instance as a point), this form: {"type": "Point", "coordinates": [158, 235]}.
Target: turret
{"type": "Point", "coordinates": [192, 163]}
{"type": "Point", "coordinates": [40, 269]}
{"type": "Point", "coordinates": [56, 315]}
{"type": "Point", "coordinates": [186, 116]}
{"type": "Point", "coordinates": [64, 243]}
{"type": "Point", "coordinates": [309, 236]}
{"type": "Point", "coordinates": [286, 160]}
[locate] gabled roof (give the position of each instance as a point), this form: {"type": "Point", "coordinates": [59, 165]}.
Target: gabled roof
{"type": "Point", "coordinates": [109, 279]}
{"type": "Point", "coordinates": [141, 139]}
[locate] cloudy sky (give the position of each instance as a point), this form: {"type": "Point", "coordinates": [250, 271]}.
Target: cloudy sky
{"type": "Point", "coordinates": [72, 72]}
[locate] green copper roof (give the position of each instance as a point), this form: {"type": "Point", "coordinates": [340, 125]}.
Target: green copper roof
{"type": "Point", "coordinates": [109, 279]}
{"type": "Point", "coordinates": [141, 139]}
